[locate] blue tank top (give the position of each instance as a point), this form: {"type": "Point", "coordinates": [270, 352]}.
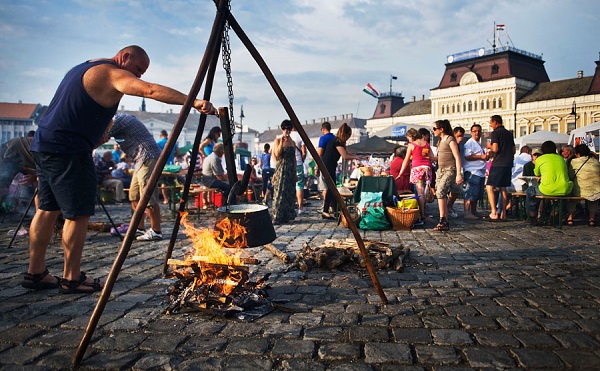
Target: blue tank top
{"type": "Point", "coordinates": [73, 122]}
{"type": "Point", "coordinates": [265, 159]}
{"type": "Point", "coordinates": [209, 148]}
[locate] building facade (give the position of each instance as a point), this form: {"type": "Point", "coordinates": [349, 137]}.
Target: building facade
{"type": "Point", "coordinates": [505, 81]}
{"type": "Point", "coordinates": [16, 119]}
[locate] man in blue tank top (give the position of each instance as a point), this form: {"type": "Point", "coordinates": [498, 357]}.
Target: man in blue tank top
{"type": "Point", "coordinates": [74, 124]}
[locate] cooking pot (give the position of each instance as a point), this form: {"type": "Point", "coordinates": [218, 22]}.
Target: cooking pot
{"type": "Point", "coordinates": [255, 218]}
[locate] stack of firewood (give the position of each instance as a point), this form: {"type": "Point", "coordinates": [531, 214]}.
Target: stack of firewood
{"type": "Point", "coordinates": [334, 254]}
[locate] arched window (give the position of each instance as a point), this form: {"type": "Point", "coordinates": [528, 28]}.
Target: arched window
{"type": "Point", "coordinates": [475, 105]}
{"type": "Point", "coordinates": [458, 108]}
{"type": "Point", "coordinates": [382, 109]}
{"type": "Point", "coordinates": [453, 108]}
{"type": "Point", "coordinates": [453, 76]}
{"type": "Point", "coordinates": [470, 106]}
{"type": "Point", "coordinates": [443, 109]}
{"type": "Point", "coordinates": [482, 104]}
{"type": "Point", "coordinates": [487, 104]}
{"type": "Point", "coordinates": [500, 102]}
{"type": "Point", "coordinates": [494, 103]}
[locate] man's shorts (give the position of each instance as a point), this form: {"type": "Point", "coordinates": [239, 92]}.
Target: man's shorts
{"type": "Point", "coordinates": [500, 176]}
{"type": "Point", "coordinates": [301, 178]}
{"type": "Point", "coordinates": [475, 186]}
{"type": "Point", "coordinates": [67, 183]}
{"type": "Point", "coordinates": [138, 182]}
{"type": "Point", "coordinates": [446, 182]}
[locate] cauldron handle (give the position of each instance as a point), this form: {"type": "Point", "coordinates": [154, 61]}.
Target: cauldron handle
{"type": "Point", "coordinates": [239, 187]}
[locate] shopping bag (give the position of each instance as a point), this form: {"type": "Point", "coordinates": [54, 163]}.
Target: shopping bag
{"type": "Point", "coordinates": [372, 212]}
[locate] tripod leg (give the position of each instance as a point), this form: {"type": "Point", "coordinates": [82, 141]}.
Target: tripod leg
{"type": "Point", "coordinates": [108, 215]}
{"type": "Point", "coordinates": [23, 217]}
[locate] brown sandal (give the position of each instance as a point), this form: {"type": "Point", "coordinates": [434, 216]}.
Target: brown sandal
{"type": "Point", "coordinates": [79, 286]}
{"type": "Point", "coordinates": [442, 226]}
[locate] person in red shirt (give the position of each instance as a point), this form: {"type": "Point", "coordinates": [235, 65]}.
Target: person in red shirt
{"type": "Point", "coordinates": [402, 180]}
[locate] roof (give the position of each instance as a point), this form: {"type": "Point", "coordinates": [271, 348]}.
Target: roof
{"type": "Point", "coordinates": [420, 107]}
{"type": "Point", "coordinates": [495, 66]}
{"type": "Point", "coordinates": [558, 89]}
{"type": "Point", "coordinates": [372, 145]}
{"type": "Point", "coordinates": [19, 110]}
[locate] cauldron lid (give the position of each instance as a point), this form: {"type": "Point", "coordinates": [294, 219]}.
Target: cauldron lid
{"type": "Point", "coordinates": [242, 209]}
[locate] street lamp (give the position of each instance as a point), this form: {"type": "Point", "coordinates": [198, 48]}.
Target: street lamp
{"type": "Point", "coordinates": [241, 126]}
{"type": "Point", "coordinates": [574, 113]}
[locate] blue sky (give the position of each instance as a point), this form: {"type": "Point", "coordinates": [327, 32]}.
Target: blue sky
{"type": "Point", "coordinates": [322, 53]}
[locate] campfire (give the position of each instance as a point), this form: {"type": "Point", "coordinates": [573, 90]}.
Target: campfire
{"type": "Point", "coordinates": [214, 277]}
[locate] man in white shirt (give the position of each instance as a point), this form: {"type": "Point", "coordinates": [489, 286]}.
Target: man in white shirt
{"type": "Point", "coordinates": [300, 157]}
{"type": "Point", "coordinates": [474, 166]}
{"type": "Point", "coordinates": [523, 158]}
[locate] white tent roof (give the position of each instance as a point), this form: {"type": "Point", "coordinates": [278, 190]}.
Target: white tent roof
{"type": "Point", "coordinates": [539, 137]}
{"type": "Point", "coordinates": [592, 129]}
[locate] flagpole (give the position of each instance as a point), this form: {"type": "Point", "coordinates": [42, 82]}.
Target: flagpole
{"type": "Point", "coordinates": [494, 44]}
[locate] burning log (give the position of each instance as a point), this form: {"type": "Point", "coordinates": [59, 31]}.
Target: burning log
{"type": "Point", "coordinates": [278, 253]}
{"type": "Point", "coordinates": [336, 254]}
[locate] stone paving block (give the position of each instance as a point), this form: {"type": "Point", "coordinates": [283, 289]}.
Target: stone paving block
{"type": "Point", "coordinates": [292, 348]}
{"type": "Point", "coordinates": [381, 353]}
{"type": "Point", "coordinates": [412, 335]}
{"type": "Point", "coordinates": [201, 364]}
{"type": "Point", "coordinates": [477, 323]}
{"type": "Point", "coordinates": [437, 322]}
{"type": "Point", "coordinates": [325, 333]}
{"type": "Point", "coordinates": [451, 337]}
{"type": "Point", "coordinates": [517, 324]}
{"type": "Point", "coordinates": [488, 358]}
{"type": "Point", "coordinates": [157, 361]}
{"type": "Point", "coordinates": [575, 340]}
{"type": "Point", "coordinates": [22, 355]}
{"type": "Point", "coordinates": [164, 342]}
{"type": "Point", "coordinates": [244, 347]}
{"type": "Point", "coordinates": [368, 333]}
{"type": "Point", "coordinates": [495, 339]}
{"type": "Point", "coordinates": [283, 330]}
{"type": "Point", "coordinates": [538, 358]}
{"type": "Point", "coordinates": [339, 352]}
{"type": "Point", "coordinates": [203, 328]}
{"type": "Point", "coordinates": [203, 345]}
{"type": "Point", "coordinates": [535, 339]}
{"type": "Point", "coordinates": [20, 334]}
{"type": "Point", "coordinates": [306, 318]}
{"type": "Point", "coordinates": [461, 310]}
{"type": "Point", "coordinates": [238, 329]}
{"type": "Point", "coordinates": [298, 364]}
{"type": "Point", "coordinates": [362, 308]}
{"type": "Point", "coordinates": [579, 360]}
{"type": "Point", "coordinates": [436, 355]}
{"type": "Point", "coordinates": [375, 319]}
{"type": "Point", "coordinates": [551, 324]}
{"type": "Point", "coordinates": [342, 319]}
{"type": "Point", "coordinates": [121, 341]}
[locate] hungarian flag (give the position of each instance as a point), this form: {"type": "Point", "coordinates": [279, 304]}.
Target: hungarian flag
{"type": "Point", "coordinates": [371, 91]}
{"type": "Point", "coordinates": [499, 27]}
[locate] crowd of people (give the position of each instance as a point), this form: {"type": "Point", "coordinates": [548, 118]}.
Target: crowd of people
{"type": "Point", "coordinates": [82, 116]}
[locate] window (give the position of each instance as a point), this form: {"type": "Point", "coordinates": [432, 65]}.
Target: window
{"type": "Point", "coordinates": [487, 104]}
{"type": "Point", "coordinates": [470, 106]}
{"type": "Point", "coordinates": [453, 77]}
{"type": "Point", "coordinates": [571, 126]}
{"type": "Point", "coordinates": [464, 107]}
{"type": "Point", "coordinates": [554, 128]}
{"type": "Point", "coordinates": [482, 104]}
{"type": "Point", "coordinates": [537, 127]}
{"type": "Point", "coordinates": [382, 109]}
{"type": "Point", "coordinates": [522, 130]}
{"type": "Point", "coordinates": [495, 69]}
{"type": "Point", "coordinates": [494, 103]}
{"type": "Point", "coordinates": [443, 109]}
{"type": "Point", "coordinates": [475, 104]}
{"type": "Point", "coordinates": [500, 102]}
{"type": "Point", "coordinates": [453, 108]}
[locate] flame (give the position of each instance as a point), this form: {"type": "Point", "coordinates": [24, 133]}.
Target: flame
{"type": "Point", "coordinates": [209, 247]}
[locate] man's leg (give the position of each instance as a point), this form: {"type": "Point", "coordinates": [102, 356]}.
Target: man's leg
{"type": "Point", "coordinates": [73, 239]}
{"type": "Point", "coordinates": [40, 233]}
{"type": "Point", "coordinates": [492, 200]}
{"type": "Point", "coordinates": [154, 216]}
{"type": "Point", "coordinates": [504, 199]}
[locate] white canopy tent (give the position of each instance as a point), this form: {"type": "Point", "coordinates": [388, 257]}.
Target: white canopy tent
{"type": "Point", "coordinates": [536, 139]}
{"type": "Point", "coordinates": [586, 135]}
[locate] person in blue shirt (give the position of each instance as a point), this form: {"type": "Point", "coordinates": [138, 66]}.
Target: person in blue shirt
{"type": "Point", "coordinates": [162, 142]}
{"type": "Point", "coordinates": [325, 138]}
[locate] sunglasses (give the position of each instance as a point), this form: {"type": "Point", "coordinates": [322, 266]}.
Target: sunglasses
{"type": "Point", "coordinates": [434, 128]}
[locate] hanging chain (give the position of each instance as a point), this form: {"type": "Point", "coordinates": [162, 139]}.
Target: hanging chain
{"type": "Point", "coordinates": [227, 67]}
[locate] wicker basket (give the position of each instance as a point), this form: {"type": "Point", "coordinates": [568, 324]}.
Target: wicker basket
{"type": "Point", "coordinates": [353, 214]}
{"type": "Point", "coordinates": [402, 220]}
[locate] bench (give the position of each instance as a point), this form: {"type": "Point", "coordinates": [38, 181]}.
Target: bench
{"type": "Point", "coordinates": [557, 203]}
{"type": "Point", "coordinates": [520, 206]}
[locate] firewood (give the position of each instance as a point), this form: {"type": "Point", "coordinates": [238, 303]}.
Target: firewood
{"type": "Point", "coordinates": [337, 261]}
{"type": "Point", "coordinates": [283, 256]}
{"type": "Point", "coordinates": [204, 259]}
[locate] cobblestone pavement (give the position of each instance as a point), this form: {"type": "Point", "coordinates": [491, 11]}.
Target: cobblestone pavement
{"type": "Point", "coordinates": [481, 296]}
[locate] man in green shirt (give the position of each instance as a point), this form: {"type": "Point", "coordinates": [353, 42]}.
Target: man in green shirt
{"type": "Point", "coordinates": [554, 178]}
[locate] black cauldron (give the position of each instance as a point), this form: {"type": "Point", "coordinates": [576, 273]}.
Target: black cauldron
{"type": "Point", "coordinates": [255, 218]}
